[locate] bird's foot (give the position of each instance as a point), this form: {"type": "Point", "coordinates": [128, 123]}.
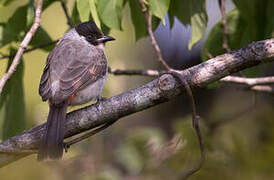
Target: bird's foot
{"type": "Point", "coordinates": [101, 99]}
{"type": "Point", "coordinates": [66, 146]}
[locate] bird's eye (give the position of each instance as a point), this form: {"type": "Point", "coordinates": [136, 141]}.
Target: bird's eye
{"type": "Point", "coordinates": [89, 37]}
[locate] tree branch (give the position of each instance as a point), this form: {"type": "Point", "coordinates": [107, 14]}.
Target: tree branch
{"type": "Point", "coordinates": [5, 56]}
{"type": "Point", "coordinates": [261, 84]}
{"type": "Point", "coordinates": [65, 9]}
{"type": "Point", "coordinates": [151, 94]}
{"type": "Point", "coordinates": [132, 72]}
{"type": "Point", "coordinates": [23, 46]}
{"type": "Point", "coordinates": [253, 84]}
{"type": "Point", "coordinates": [154, 43]}
{"type": "Point", "coordinates": [249, 81]}
{"type": "Point", "coordinates": [177, 74]}
{"type": "Point", "coordinates": [224, 24]}
{"type": "Point", "coordinates": [263, 88]}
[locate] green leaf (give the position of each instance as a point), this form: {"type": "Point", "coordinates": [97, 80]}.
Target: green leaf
{"type": "Point", "coordinates": [250, 21]}
{"type": "Point", "coordinates": [181, 10]}
{"type": "Point", "coordinates": [198, 21]}
{"type": "Point", "coordinates": [47, 3]}
{"type": "Point", "coordinates": [258, 16]}
{"type": "Point", "coordinates": [75, 15]}
{"type": "Point", "coordinates": [139, 21]}
{"type": "Point", "coordinates": [159, 8]}
{"type": "Point", "coordinates": [105, 29]}
{"type": "Point", "coordinates": [30, 13]}
{"type": "Point", "coordinates": [191, 12]}
{"type": "Point", "coordinates": [213, 85]}
{"type": "Point", "coordinates": [14, 115]}
{"type": "Point", "coordinates": [1, 33]}
{"type": "Point", "coordinates": [269, 29]}
{"type": "Point", "coordinates": [41, 36]}
{"type": "Point", "coordinates": [15, 25]}
{"type": "Point", "coordinates": [94, 14]}
{"type": "Point", "coordinates": [7, 2]}
{"type": "Point", "coordinates": [83, 9]}
{"type": "Point", "coordinates": [110, 12]}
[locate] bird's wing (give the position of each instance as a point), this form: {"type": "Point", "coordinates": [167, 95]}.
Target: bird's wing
{"type": "Point", "coordinates": [75, 66]}
{"type": "Point", "coordinates": [45, 87]}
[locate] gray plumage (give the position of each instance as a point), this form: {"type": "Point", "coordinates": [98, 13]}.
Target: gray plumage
{"type": "Point", "coordinates": [73, 66]}
{"type": "Point", "coordinates": [74, 74]}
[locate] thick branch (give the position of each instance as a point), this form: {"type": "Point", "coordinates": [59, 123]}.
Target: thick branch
{"type": "Point", "coordinates": [263, 84]}
{"type": "Point", "coordinates": [23, 46]}
{"type": "Point", "coordinates": [155, 92]}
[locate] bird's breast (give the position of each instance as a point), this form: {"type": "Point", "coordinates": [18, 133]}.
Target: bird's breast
{"type": "Point", "coordinates": [90, 92]}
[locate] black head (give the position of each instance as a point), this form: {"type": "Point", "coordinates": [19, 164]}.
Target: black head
{"type": "Point", "coordinates": [92, 33]}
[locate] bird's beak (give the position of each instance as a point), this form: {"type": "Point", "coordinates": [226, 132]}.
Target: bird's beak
{"type": "Point", "coordinates": [104, 39]}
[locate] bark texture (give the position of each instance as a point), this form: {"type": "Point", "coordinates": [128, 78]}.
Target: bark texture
{"type": "Point", "coordinates": [160, 90]}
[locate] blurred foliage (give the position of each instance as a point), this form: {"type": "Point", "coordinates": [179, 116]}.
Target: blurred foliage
{"type": "Point", "coordinates": [192, 12]}
{"type": "Point", "coordinates": [251, 20]}
{"type": "Point", "coordinates": [83, 9]}
{"type": "Point", "coordinates": [41, 36]}
{"type": "Point", "coordinates": [13, 102]}
{"type": "Point", "coordinates": [159, 8]}
{"type": "Point", "coordinates": [239, 149]}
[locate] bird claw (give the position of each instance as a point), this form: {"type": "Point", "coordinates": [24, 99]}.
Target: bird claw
{"type": "Point", "coordinates": [101, 99]}
{"type": "Point", "coordinates": [66, 146]}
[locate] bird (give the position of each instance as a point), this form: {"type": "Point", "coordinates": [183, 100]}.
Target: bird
{"type": "Point", "coordinates": [74, 74]}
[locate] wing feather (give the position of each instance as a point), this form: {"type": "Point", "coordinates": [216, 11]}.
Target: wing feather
{"type": "Point", "coordinates": [80, 65]}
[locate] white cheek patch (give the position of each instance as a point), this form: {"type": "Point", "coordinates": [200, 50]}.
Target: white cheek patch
{"type": "Point", "coordinates": [82, 37]}
{"type": "Point", "coordinates": [101, 46]}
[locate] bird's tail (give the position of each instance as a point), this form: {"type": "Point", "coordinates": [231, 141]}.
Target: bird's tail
{"type": "Point", "coordinates": [51, 145]}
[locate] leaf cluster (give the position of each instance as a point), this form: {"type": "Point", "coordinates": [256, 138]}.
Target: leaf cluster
{"type": "Point", "coordinates": [250, 20]}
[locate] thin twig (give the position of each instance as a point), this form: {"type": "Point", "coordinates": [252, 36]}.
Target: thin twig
{"type": "Point", "coordinates": [87, 135]}
{"type": "Point", "coordinates": [262, 88]}
{"type": "Point", "coordinates": [144, 97]}
{"type": "Point", "coordinates": [151, 35]}
{"type": "Point", "coordinates": [248, 81]}
{"type": "Point", "coordinates": [4, 56]}
{"type": "Point", "coordinates": [41, 46]}
{"type": "Point", "coordinates": [139, 72]}
{"type": "Point", "coordinates": [23, 46]}
{"type": "Point", "coordinates": [261, 84]}
{"type": "Point", "coordinates": [224, 24]}
{"type": "Point", "coordinates": [208, 54]}
{"type": "Point", "coordinates": [254, 84]}
{"type": "Point", "coordinates": [195, 124]}
{"type": "Point", "coordinates": [178, 75]}
{"type": "Point", "coordinates": [65, 9]}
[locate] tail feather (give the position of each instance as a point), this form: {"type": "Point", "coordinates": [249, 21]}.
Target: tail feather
{"type": "Point", "coordinates": [51, 145]}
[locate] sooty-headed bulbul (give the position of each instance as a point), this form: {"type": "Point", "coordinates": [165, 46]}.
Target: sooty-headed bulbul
{"type": "Point", "coordinates": [75, 73]}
